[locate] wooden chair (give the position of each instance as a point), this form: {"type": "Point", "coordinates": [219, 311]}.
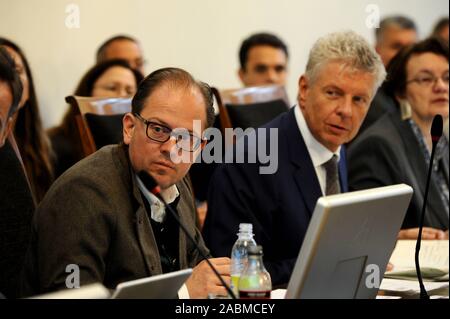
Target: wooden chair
{"type": "Point", "coordinates": [251, 106]}
{"type": "Point", "coordinates": [99, 120]}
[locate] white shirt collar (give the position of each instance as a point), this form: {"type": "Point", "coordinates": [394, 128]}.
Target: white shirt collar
{"type": "Point", "coordinates": [158, 211]}
{"type": "Point", "coordinates": [319, 154]}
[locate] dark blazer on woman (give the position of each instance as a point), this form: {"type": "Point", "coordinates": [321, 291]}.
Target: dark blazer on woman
{"type": "Point", "coordinates": [388, 153]}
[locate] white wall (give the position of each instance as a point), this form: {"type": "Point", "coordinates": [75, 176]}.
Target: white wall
{"type": "Point", "coordinates": [202, 36]}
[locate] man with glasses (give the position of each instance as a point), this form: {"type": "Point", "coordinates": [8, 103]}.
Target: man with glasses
{"type": "Point", "coordinates": [99, 215]}
{"type": "Point", "coordinates": [394, 34]}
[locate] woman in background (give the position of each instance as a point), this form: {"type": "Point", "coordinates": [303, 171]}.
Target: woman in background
{"type": "Point", "coordinates": [33, 143]}
{"type": "Point", "coordinates": [396, 149]}
{"type": "Point", "coordinates": [112, 78]}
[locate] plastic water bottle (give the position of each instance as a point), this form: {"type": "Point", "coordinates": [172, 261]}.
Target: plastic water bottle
{"type": "Point", "coordinates": [239, 254]}
{"type": "Point", "coordinates": [255, 282]}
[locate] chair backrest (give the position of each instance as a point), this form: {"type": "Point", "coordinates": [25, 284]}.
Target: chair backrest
{"type": "Point", "coordinates": [99, 120]}
{"type": "Point", "coordinates": [251, 106]}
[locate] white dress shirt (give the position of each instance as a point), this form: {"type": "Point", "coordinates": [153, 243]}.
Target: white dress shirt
{"type": "Point", "coordinates": [319, 154]}
{"type": "Point", "coordinates": [158, 210]}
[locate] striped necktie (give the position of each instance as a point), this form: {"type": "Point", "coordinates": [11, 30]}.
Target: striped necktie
{"type": "Point", "coordinates": [332, 181]}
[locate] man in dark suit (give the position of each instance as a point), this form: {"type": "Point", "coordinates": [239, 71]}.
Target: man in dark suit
{"type": "Point", "coordinates": [99, 218]}
{"type": "Point", "coordinates": [16, 201]}
{"type": "Point", "coordinates": [341, 79]}
{"type": "Point", "coordinates": [394, 33]}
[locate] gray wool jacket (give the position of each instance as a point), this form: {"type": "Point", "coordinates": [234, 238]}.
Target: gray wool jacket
{"type": "Point", "coordinates": [94, 217]}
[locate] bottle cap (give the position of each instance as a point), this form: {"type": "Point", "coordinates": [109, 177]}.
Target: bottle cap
{"type": "Point", "coordinates": [245, 228]}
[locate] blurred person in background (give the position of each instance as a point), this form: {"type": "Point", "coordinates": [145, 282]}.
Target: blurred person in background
{"type": "Point", "coordinates": [441, 29]}
{"type": "Point", "coordinates": [394, 33]}
{"type": "Point", "coordinates": [16, 201]}
{"type": "Point", "coordinates": [122, 47]}
{"type": "Point", "coordinates": [29, 132]}
{"type": "Point", "coordinates": [263, 60]}
{"type": "Point", "coordinates": [112, 78]}
{"type": "Point", "coordinates": [397, 149]}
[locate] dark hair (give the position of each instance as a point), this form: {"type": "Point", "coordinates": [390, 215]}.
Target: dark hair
{"type": "Point", "coordinates": [68, 127]}
{"type": "Point", "coordinates": [33, 143]}
{"type": "Point", "coordinates": [395, 83]}
{"type": "Point", "coordinates": [443, 22]}
{"type": "Point", "coordinates": [177, 78]}
{"type": "Point", "coordinates": [101, 51]}
{"type": "Point", "coordinates": [86, 84]}
{"type": "Point", "coordinates": [260, 39]}
{"type": "Point", "coordinates": [9, 75]}
{"type": "Point", "coordinates": [401, 22]}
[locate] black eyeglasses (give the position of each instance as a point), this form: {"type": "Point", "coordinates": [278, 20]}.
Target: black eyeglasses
{"type": "Point", "coordinates": [160, 133]}
{"type": "Point", "coordinates": [427, 80]}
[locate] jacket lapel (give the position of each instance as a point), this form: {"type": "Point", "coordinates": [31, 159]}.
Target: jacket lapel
{"type": "Point", "coordinates": [304, 172]}
{"type": "Point", "coordinates": [436, 210]}
{"type": "Point", "coordinates": [343, 175]}
{"type": "Point", "coordinates": [147, 242]}
{"type": "Point", "coordinates": [143, 227]}
{"type": "Point", "coordinates": [444, 165]}
{"type": "Point", "coordinates": [182, 244]}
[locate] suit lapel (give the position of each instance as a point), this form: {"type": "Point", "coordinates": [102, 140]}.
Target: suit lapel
{"type": "Point", "coordinates": [144, 232]}
{"type": "Point", "coordinates": [304, 172]}
{"type": "Point", "coordinates": [412, 149]}
{"type": "Point", "coordinates": [437, 211]}
{"type": "Point", "coordinates": [147, 242]}
{"type": "Point", "coordinates": [182, 239]}
{"type": "Point", "coordinates": [444, 164]}
{"type": "Point", "coordinates": [343, 176]}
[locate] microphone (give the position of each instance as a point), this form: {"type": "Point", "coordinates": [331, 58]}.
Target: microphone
{"type": "Point", "coordinates": [151, 184]}
{"type": "Point", "coordinates": [436, 133]}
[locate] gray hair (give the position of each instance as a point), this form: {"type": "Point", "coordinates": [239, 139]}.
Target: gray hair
{"type": "Point", "coordinates": [349, 48]}
{"type": "Point", "coordinates": [401, 22]}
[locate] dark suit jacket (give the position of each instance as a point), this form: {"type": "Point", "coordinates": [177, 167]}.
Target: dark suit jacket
{"type": "Point", "coordinates": [16, 212]}
{"type": "Point", "coordinates": [388, 153]}
{"type": "Point", "coordinates": [94, 216]}
{"type": "Point", "coordinates": [278, 205]}
{"type": "Point", "coordinates": [381, 104]}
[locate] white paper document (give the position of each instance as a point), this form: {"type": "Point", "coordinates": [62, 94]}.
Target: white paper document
{"type": "Point", "coordinates": [433, 258]}
{"type": "Point", "coordinates": [411, 289]}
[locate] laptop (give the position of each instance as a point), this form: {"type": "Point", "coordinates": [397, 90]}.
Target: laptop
{"type": "Point", "coordinates": [163, 286]}
{"type": "Point", "coordinates": [348, 244]}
